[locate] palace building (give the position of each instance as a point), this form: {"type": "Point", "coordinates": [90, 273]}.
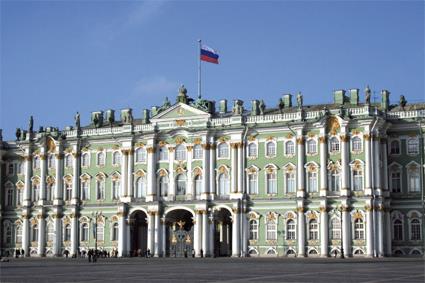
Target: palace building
{"type": "Point", "coordinates": [292, 180]}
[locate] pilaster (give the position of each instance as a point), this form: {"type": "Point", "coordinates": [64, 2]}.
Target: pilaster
{"type": "Point", "coordinates": [151, 184]}
{"type": "Point", "coordinates": [300, 165]}
{"type": "Point", "coordinates": [324, 228]}
{"type": "Point", "coordinates": [236, 251]}
{"type": "Point", "coordinates": [301, 229]}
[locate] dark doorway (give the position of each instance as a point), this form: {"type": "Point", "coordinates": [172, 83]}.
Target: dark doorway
{"type": "Point", "coordinates": [223, 233]}
{"type": "Point", "coordinates": [179, 233]}
{"type": "Point", "coordinates": [138, 233]}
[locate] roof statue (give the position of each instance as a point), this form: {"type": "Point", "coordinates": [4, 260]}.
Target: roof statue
{"type": "Point", "coordinates": [262, 107]}
{"type": "Point", "coordinates": [403, 101]}
{"type": "Point", "coordinates": [77, 120]}
{"type": "Point", "coordinates": [182, 96]}
{"type": "Point", "coordinates": [299, 100]}
{"type": "Point", "coordinates": [367, 93]}
{"type": "Point", "coordinates": [31, 124]}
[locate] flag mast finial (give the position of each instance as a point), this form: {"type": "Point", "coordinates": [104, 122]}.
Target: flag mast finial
{"type": "Point", "coordinates": [199, 69]}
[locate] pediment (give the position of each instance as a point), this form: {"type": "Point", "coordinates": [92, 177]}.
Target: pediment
{"type": "Point", "coordinates": [180, 111]}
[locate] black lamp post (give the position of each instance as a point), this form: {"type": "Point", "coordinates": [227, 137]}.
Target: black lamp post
{"type": "Point", "coordinates": [341, 222]}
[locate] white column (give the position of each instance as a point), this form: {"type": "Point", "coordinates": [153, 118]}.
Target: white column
{"type": "Point", "coordinates": [151, 230]}
{"type": "Point", "coordinates": [212, 169]}
{"type": "Point", "coordinates": [300, 167]}
{"type": "Point", "coordinates": [345, 187]}
{"type": "Point", "coordinates": [385, 163]}
{"type": "Point", "coordinates": [190, 188]}
{"type": "Point", "coordinates": [241, 170]}
{"type": "Point", "coordinates": [380, 234]}
{"type": "Point", "coordinates": [369, 231]}
{"type": "Point", "coordinates": [41, 235]}
{"type": "Point", "coordinates": [43, 176]}
{"type": "Point", "coordinates": [151, 183]}
{"type": "Point", "coordinates": [368, 177]}
{"type": "Point", "coordinates": [130, 168]}
{"type": "Point", "coordinates": [122, 237]}
{"type": "Point", "coordinates": [301, 232]}
{"type": "Point", "coordinates": [157, 235]}
{"type": "Point", "coordinates": [388, 238]}
{"type": "Point", "coordinates": [197, 233]}
{"type": "Point", "coordinates": [205, 234]}
{"type": "Point", "coordinates": [74, 234]}
{"type": "Point", "coordinates": [324, 231]}
{"type": "Point", "coordinates": [323, 165]}
{"type": "Point", "coordinates": [234, 168]}
{"type": "Point", "coordinates": [57, 243]}
{"type": "Point", "coordinates": [163, 238]}
{"type": "Point", "coordinates": [377, 161]}
{"type": "Point", "coordinates": [59, 180]}
{"type": "Point", "coordinates": [26, 235]}
{"type": "Point", "coordinates": [28, 175]}
{"type": "Point", "coordinates": [245, 233]}
{"type": "Point", "coordinates": [206, 171]}
{"type": "Point", "coordinates": [346, 231]}
{"type": "Point", "coordinates": [236, 251]}
{"type": "Point", "coordinates": [212, 234]}
{"type": "Point", "coordinates": [76, 177]}
{"type": "Point", "coordinates": [171, 186]}
{"type": "Point", "coordinates": [124, 168]}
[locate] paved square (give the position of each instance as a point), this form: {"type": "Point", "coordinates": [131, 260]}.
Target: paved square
{"type": "Point", "coordinates": [213, 270]}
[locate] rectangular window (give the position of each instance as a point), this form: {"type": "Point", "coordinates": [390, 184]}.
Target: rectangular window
{"type": "Point", "coordinates": [252, 184]}
{"type": "Point", "coordinates": [312, 182]}
{"type": "Point", "coordinates": [357, 180]}
{"type": "Point", "coordinates": [290, 182]}
{"type": "Point", "coordinates": [10, 169]}
{"type": "Point", "coordinates": [414, 182]}
{"type": "Point", "coordinates": [271, 231]}
{"type": "Point", "coordinates": [271, 183]}
{"type": "Point", "coordinates": [396, 181]}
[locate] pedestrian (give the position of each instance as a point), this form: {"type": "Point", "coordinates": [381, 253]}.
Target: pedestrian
{"type": "Point", "coordinates": [22, 252]}
{"type": "Point", "coordinates": [66, 252]}
{"type": "Point", "coordinates": [89, 254]}
{"type": "Point", "coordinates": [202, 252]}
{"type": "Point", "coordinates": [193, 253]}
{"type": "Point", "coordinates": [185, 253]}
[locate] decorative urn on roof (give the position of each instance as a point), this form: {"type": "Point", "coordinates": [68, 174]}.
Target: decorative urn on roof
{"type": "Point", "coordinates": [182, 96]}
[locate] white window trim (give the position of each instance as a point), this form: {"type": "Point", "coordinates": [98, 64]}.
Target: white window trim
{"type": "Point", "coordinates": [135, 155]}
{"type": "Point", "coordinates": [410, 228]}
{"type": "Point", "coordinates": [228, 151]}
{"type": "Point", "coordinates": [265, 149]}
{"type": "Point", "coordinates": [193, 153]}
{"type": "Point", "coordinates": [352, 175]}
{"type": "Point", "coordinates": [114, 164]}
{"type": "Point", "coordinates": [104, 159]}
{"type": "Point", "coordinates": [399, 146]}
{"type": "Point", "coordinates": [408, 172]}
{"type": "Point", "coordinates": [249, 173]}
{"type": "Point", "coordinates": [361, 142]}
{"type": "Point", "coordinates": [334, 152]}
{"type": "Point", "coordinates": [295, 147]}
{"type": "Point", "coordinates": [407, 146]}
{"type": "Point", "coordinates": [256, 150]}
{"type": "Point", "coordinates": [307, 153]}
{"type": "Point", "coordinates": [166, 148]}
{"type": "Point", "coordinates": [391, 170]}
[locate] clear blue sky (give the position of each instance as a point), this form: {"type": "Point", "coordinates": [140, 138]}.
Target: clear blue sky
{"type": "Point", "coordinates": [60, 57]}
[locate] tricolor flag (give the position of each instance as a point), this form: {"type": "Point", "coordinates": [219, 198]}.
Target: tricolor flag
{"type": "Point", "coordinates": [208, 54]}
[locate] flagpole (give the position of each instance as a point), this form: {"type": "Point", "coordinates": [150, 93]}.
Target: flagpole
{"type": "Point", "coordinates": [199, 69]}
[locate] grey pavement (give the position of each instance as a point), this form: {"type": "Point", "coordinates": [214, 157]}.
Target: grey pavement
{"type": "Point", "coordinates": [214, 270]}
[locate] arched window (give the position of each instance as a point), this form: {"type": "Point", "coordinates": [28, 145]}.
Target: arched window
{"type": "Point", "coordinates": [290, 230]}
{"type": "Point", "coordinates": [115, 188]}
{"type": "Point", "coordinates": [163, 186]}
{"type": "Point", "coordinates": [100, 231]}
{"type": "Point", "coordinates": [356, 144]}
{"type": "Point", "coordinates": [271, 230]}
{"type": "Point", "coordinates": [289, 148]}
{"type": "Point", "coordinates": [253, 229]}
{"type": "Point", "coordinates": [181, 185]}
{"type": "Point", "coordinates": [68, 190]}
{"type": "Point", "coordinates": [223, 150]}
{"type": "Point", "coordinates": [84, 232]}
{"type": "Point", "coordinates": [85, 160]}
{"type": "Point", "coordinates": [311, 146]}
{"type": "Point", "coordinates": [252, 183]}
{"type": "Point", "coordinates": [357, 178]}
{"type": "Point", "coordinates": [116, 158]}
{"type": "Point", "coordinates": [415, 230]}
{"type": "Point", "coordinates": [358, 229]}
{"type": "Point", "coordinates": [413, 179]}
{"type": "Point", "coordinates": [115, 232]}
{"type": "Point", "coordinates": [180, 152]}
{"type": "Point", "coordinates": [223, 184]}
{"type": "Point", "coordinates": [397, 230]}
{"type": "Point", "coordinates": [313, 230]}
{"type": "Point", "coordinates": [335, 229]}
{"type": "Point", "coordinates": [7, 233]}
{"type": "Point", "coordinates": [334, 180]}
{"type": "Point", "coordinates": [271, 182]}
{"type": "Point", "coordinates": [395, 180]}
{"type": "Point", "coordinates": [140, 187]}
{"type": "Point", "coordinates": [34, 236]}
{"type": "Point", "coordinates": [18, 234]}
{"type": "Point", "coordinates": [9, 195]}
{"type": "Point", "coordinates": [19, 196]}
{"type": "Point", "coordinates": [290, 181]}
{"type": "Point", "coordinates": [50, 232]}
{"type": "Point", "coordinates": [312, 181]}
{"type": "Point", "coordinates": [395, 147]}
{"type": "Point", "coordinates": [36, 191]}
{"type": "Point", "coordinates": [270, 149]}
{"type": "Point", "coordinates": [197, 152]}
{"type": "Point", "coordinates": [100, 160]}
{"type": "Point", "coordinates": [198, 185]}
{"type": "Point", "coordinates": [163, 153]}
{"type": "Point", "coordinates": [84, 190]}
{"type": "Point", "coordinates": [67, 233]}
{"type": "Point", "coordinates": [100, 188]}
{"type": "Point", "coordinates": [49, 191]}
{"type": "Point", "coordinates": [51, 161]}
{"type": "Point", "coordinates": [140, 155]}
{"type": "Point", "coordinates": [334, 144]}
{"type": "Point", "coordinates": [68, 160]}
{"type": "Point", "coordinates": [413, 146]}
{"type": "Point", "coordinates": [36, 162]}
{"type": "Point", "coordinates": [252, 150]}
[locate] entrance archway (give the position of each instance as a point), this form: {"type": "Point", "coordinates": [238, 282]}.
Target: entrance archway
{"type": "Point", "coordinates": [138, 233]}
{"type": "Point", "coordinates": [179, 233]}
{"type": "Point", "coordinates": [223, 233]}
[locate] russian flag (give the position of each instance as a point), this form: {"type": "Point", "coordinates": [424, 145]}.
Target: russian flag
{"type": "Point", "coordinates": [208, 54]}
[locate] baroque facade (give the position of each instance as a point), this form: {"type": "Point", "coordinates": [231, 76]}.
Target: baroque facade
{"type": "Point", "coordinates": [299, 180]}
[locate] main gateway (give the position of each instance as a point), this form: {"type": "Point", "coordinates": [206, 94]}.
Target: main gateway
{"type": "Point", "coordinates": [299, 180]}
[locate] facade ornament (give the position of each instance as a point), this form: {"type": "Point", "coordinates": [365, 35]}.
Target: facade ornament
{"type": "Point", "coordinates": [299, 100]}
{"type": "Point", "coordinates": [262, 107]}
{"type": "Point", "coordinates": [18, 134]}
{"type": "Point", "coordinates": [31, 124]}
{"type": "Point", "coordinates": [367, 92]}
{"type": "Point", "coordinates": [77, 120]}
{"type": "Point", "coordinates": [403, 101]}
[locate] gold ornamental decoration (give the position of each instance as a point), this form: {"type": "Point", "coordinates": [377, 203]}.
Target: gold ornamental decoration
{"type": "Point", "coordinates": [290, 215]}
{"type": "Point", "coordinates": [270, 138]}
{"type": "Point", "coordinates": [251, 138]}
{"type": "Point", "coordinates": [181, 224]}
{"type": "Point", "coordinates": [358, 215]}
{"type": "Point", "coordinates": [366, 137]}
{"type": "Point", "coordinates": [300, 140]}
{"type": "Point", "coordinates": [197, 141]}
{"type": "Point", "coordinates": [322, 139]}
{"type": "Point", "coordinates": [271, 216]}
{"type": "Point", "coordinates": [180, 140]}
{"type": "Point", "coordinates": [222, 169]}
{"type": "Point", "coordinates": [115, 146]}
{"type": "Point", "coordinates": [300, 209]}
{"type": "Point", "coordinates": [163, 173]}
{"type": "Point", "coordinates": [312, 215]}
{"type": "Point", "coordinates": [150, 150]}
{"type": "Point", "coordinates": [51, 146]}
{"type": "Point", "coordinates": [197, 171]}
{"type": "Point", "coordinates": [180, 123]}
{"type": "Point", "coordinates": [162, 143]}
{"type": "Point", "coordinates": [333, 125]}
{"type": "Point", "coordinates": [289, 136]}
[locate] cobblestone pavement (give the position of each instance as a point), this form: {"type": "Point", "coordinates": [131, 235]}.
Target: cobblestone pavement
{"type": "Point", "coordinates": [213, 270]}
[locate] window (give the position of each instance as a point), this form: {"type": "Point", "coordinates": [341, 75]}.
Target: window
{"type": "Point", "coordinates": [335, 229]}
{"type": "Point", "coordinates": [312, 181]}
{"type": "Point", "coordinates": [313, 230]}
{"type": "Point", "coordinates": [414, 180]}
{"type": "Point", "coordinates": [84, 190]}
{"type": "Point", "coordinates": [100, 189]}
{"type": "Point", "coordinates": [68, 160]}
{"type": "Point", "coordinates": [163, 153]}
{"type": "Point", "coordinates": [68, 190]}
{"type": "Point", "coordinates": [223, 184]}
{"type": "Point", "coordinates": [9, 195]}
{"type": "Point", "coordinates": [18, 234]}
{"type": "Point", "coordinates": [51, 161]}
{"type": "Point", "coordinates": [252, 150]}
{"type": "Point", "coordinates": [290, 182]}
{"type": "Point", "coordinates": [223, 150]}
{"type": "Point", "coordinates": [85, 160]}
{"type": "Point", "coordinates": [100, 159]}
{"type": "Point", "coordinates": [49, 191]}
{"type": "Point", "coordinates": [50, 232]}
{"type": "Point", "coordinates": [290, 230]}
{"type": "Point", "coordinates": [140, 155]}
{"type": "Point", "coordinates": [252, 184]}
{"type": "Point", "coordinates": [181, 185]}
{"type": "Point", "coordinates": [197, 152]}
{"type": "Point", "coordinates": [100, 232]}
{"type": "Point", "coordinates": [115, 188]}
{"type": "Point", "coordinates": [334, 180]}
{"type": "Point", "coordinates": [270, 149]}
{"type": "Point", "coordinates": [20, 196]}
{"type": "Point", "coordinates": [163, 186]}
{"type": "Point", "coordinates": [253, 229]}
{"type": "Point", "coordinates": [36, 162]}
{"type": "Point", "coordinates": [271, 230]}
{"type": "Point", "coordinates": [114, 232]}
{"type": "Point", "coordinates": [198, 185]}
{"type": "Point", "coordinates": [311, 147]}
{"type": "Point", "coordinates": [180, 154]}
{"type": "Point", "coordinates": [7, 233]}
{"type": "Point", "coordinates": [397, 230]}
{"type": "Point", "coordinates": [36, 192]}
{"type": "Point", "coordinates": [357, 180]}
{"type": "Point", "coordinates": [34, 232]}
{"type": "Point", "coordinates": [396, 181]}
{"type": "Point", "coordinates": [356, 144]}
{"type": "Point", "coordinates": [289, 148]}
{"type": "Point", "coordinates": [412, 146]}
{"type": "Point", "coordinates": [84, 232]}
{"type": "Point", "coordinates": [358, 229]}
{"type": "Point", "coordinates": [271, 182]}
{"type": "Point", "coordinates": [334, 145]}
{"type": "Point", "coordinates": [140, 187]}
{"type": "Point", "coordinates": [20, 168]}
{"type": "Point", "coordinates": [415, 230]}
{"type": "Point", "coordinates": [116, 158]}
{"type": "Point", "coordinates": [395, 147]}
{"type": "Point", "coordinates": [10, 169]}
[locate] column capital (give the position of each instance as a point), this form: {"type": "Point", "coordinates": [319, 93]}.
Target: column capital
{"type": "Point", "coordinates": [206, 146]}
{"type": "Point", "coordinates": [366, 137]}
{"type": "Point", "coordinates": [28, 157]}
{"type": "Point", "coordinates": [43, 156]}
{"type": "Point", "coordinates": [300, 140]}
{"type": "Point", "coordinates": [344, 138]}
{"type": "Point", "coordinates": [368, 208]}
{"type": "Point", "coordinates": [323, 209]}
{"type": "Point", "coordinates": [76, 154]}
{"type": "Point", "coordinates": [59, 156]}
{"type": "Point", "coordinates": [189, 148]}
{"type": "Point", "coordinates": [301, 209]}
{"type": "Point", "coordinates": [322, 139]}
{"type": "Point", "coordinates": [150, 149]}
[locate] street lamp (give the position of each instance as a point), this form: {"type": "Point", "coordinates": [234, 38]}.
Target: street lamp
{"type": "Point", "coordinates": [95, 215]}
{"type": "Point", "coordinates": [341, 208]}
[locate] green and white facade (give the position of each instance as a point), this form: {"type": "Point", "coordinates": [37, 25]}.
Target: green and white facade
{"type": "Point", "coordinates": [286, 181]}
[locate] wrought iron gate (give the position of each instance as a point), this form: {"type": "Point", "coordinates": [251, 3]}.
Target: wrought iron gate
{"type": "Point", "coordinates": [181, 242]}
